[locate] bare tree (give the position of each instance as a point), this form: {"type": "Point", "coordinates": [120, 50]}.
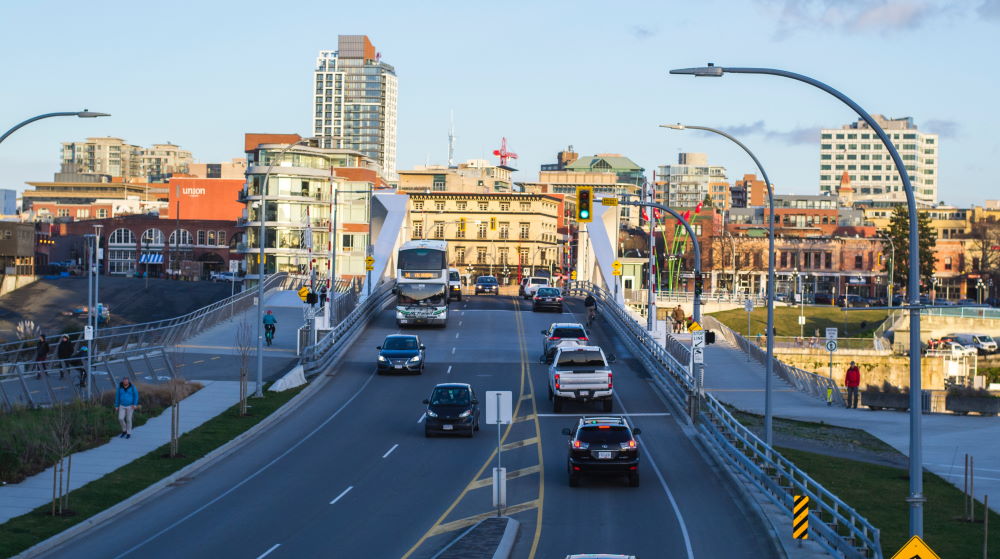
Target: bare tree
{"type": "Point", "coordinates": [245, 347]}
{"type": "Point", "coordinates": [177, 390]}
{"type": "Point", "coordinates": [61, 444]}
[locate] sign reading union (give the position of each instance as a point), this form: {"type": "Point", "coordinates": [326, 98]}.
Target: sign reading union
{"type": "Point", "coordinates": [192, 191]}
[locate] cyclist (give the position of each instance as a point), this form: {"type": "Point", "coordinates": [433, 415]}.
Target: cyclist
{"type": "Point", "coordinates": [270, 326]}
{"type": "Point", "coordinates": [591, 304]}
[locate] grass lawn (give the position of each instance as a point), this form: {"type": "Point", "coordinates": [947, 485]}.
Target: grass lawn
{"type": "Point", "coordinates": [878, 493]}
{"type": "Point", "coordinates": [852, 324]}
{"type": "Point", "coordinates": [22, 532]}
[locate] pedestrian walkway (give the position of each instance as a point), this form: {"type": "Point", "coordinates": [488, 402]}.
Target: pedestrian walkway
{"type": "Point", "coordinates": [946, 438]}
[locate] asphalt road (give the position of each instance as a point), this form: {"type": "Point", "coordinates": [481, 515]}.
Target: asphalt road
{"type": "Point", "coordinates": [352, 475]}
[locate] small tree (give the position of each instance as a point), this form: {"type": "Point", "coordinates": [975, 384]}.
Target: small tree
{"type": "Point", "coordinates": [244, 346]}
{"type": "Point", "coordinates": [61, 444]}
{"type": "Point", "coordinates": [177, 392]}
{"type": "Point", "coordinates": [899, 232]}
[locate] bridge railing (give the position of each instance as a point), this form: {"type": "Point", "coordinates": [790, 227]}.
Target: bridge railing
{"type": "Point", "coordinates": [835, 526]}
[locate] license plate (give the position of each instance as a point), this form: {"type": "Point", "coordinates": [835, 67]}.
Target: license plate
{"type": "Point", "coordinates": [399, 366]}
{"type": "Point", "coordinates": [450, 427]}
{"type": "Point", "coordinates": [584, 393]}
{"type": "Point", "coordinates": [604, 455]}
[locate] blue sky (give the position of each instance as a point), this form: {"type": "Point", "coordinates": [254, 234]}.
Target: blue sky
{"type": "Point", "coordinates": [545, 75]}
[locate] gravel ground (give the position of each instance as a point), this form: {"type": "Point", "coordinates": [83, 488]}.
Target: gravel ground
{"type": "Point", "coordinates": [129, 300]}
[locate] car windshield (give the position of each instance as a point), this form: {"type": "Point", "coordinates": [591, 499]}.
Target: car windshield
{"type": "Point", "coordinates": [539, 281]}
{"type": "Point", "coordinates": [400, 343]}
{"type": "Point", "coordinates": [610, 434]}
{"type": "Point", "coordinates": [585, 358]}
{"type": "Point", "coordinates": [569, 333]}
{"type": "Point", "coordinates": [548, 292]}
{"type": "Point", "coordinates": [486, 279]}
{"type": "Point", "coordinates": [421, 294]}
{"type": "Point", "coordinates": [453, 276]}
{"type": "Point", "coordinates": [450, 396]}
{"type": "Point", "coordinates": [984, 339]}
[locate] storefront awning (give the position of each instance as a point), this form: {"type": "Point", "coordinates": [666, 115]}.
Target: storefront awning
{"type": "Point", "coordinates": [151, 258]}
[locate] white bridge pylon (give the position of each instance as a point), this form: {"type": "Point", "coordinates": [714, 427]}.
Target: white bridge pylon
{"type": "Point", "coordinates": [597, 250]}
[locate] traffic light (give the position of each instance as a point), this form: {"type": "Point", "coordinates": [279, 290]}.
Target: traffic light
{"type": "Point", "coordinates": [697, 285]}
{"type": "Point", "coordinates": [311, 298]}
{"type": "Point", "coordinates": [584, 204]}
{"type": "Point", "coordinates": [709, 337]}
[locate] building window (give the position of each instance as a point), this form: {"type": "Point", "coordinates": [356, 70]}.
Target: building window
{"type": "Point", "coordinates": [947, 263]}
{"type": "Point", "coordinates": [439, 206]}
{"type": "Point", "coordinates": [504, 230]}
{"type": "Point", "coordinates": [221, 238]}
{"type": "Point", "coordinates": [858, 262]}
{"type": "Point", "coordinates": [438, 230]}
{"type": "Point", "coordinates": [102, 213]}
{"type": "Point", "coordinates": [522, 255]}
{"type": "Point", "coordinates": [62, 212]}
{"type": "Point", "coordinates": [483, 206]}
{"type": "Point", "coordinates": [418, 229]}
{"type": "Point", "coordinates": [211, 238]}
{"type": "Point", "coordinates": [347, 242]}
{"type": "Point", "coordinates": [460, 255]}
{"type": "Point", "coordinates": [461, 206]}
{"type": "Point", "coordinates": [481, 231]}
{"type": "Point", "coordinates": [480, 255]}
{"type": "Point", "coordinates": [418, 205]}
{"type": "Point", "coordinates": [82, 213]}
{"type": "Point", "coordinates": [524, 227]}
{"type": "Point", "coordinates": [504, 256]}
{"type": "Point", "coordinates": [525, 206]}
{"type": "Point", "coordinates": [505, 206]}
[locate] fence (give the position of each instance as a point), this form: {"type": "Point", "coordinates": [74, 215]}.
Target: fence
{"type": "Point", "coordinates": [964, 312]}
{"type": "Point", "coordinates": [835, 526]}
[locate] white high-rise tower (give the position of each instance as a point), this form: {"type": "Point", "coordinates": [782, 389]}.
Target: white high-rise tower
{"type": "Point", "coordinates": [354, 101]}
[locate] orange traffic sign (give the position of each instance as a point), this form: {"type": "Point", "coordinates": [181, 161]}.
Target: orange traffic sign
{"type": "Point", "coordinates": [915, 549]}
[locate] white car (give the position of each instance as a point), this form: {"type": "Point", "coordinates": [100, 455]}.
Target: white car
{"type": "Point", "coordinates": [532, 284]}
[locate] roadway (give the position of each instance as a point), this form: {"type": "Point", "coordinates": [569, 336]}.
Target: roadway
{"type": "Point", "coordinates": [351, 473]}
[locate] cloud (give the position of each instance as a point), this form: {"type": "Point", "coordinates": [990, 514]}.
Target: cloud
{"type": "Point", "coordinates": [942, 127]}
{"type": "Point", "coordinates": [990, 9]}
{"type": "Point", "coordinates": [857, 16]}
{"type": "Point", "coordinates": [796, 136]}
{"type": "Point", "coordinates": [641, 32]}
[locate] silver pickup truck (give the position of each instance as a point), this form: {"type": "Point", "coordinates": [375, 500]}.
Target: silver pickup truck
{"type": "Point", "coordinates": [580, 373]}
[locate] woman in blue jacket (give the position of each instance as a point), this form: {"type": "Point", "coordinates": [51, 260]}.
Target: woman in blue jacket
{"type": "Point", "coordinates": [126, 400]}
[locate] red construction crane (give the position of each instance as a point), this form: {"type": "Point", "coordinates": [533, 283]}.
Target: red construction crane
{"type": "Point", "coordinates": [503, 154]}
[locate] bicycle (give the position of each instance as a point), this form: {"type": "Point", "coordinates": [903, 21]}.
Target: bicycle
{"type": "Point", "coordinates": [269, 333]}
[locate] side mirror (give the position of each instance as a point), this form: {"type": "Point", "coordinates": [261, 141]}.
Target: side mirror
{"type": "Point", "coordinates": [422, 346]}
{"type": "Point", "coordinates": [637, 431]}
{"type": "Point", "coordinates": [612, 358]}
{"type": "Point", "coordinates": [378, 347]}
{"type": "Point", "coordinates": [567, 432]}
{"type": "Point", "coordinates": [475, 401]}
{"type": "Point", "coordinates": [427, 401]}
{"type": "Point", "coordinates": [545, 332]}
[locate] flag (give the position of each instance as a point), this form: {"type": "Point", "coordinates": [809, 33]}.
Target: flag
{"type": "Point", "coordinates": [645, 216]}
{"type": "Point", "coordinates": [656, 214]}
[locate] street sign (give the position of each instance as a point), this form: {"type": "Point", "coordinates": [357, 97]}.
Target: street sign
{"type": "Point", "coordinates": [831, 333]}
{"type": "Point", "coordinates": [802, 320]}
{"type": "Point", "coordinates": [698, 346]}
{"type": "Point", "coordinates": [88, 333]}
{"type": "Point", "coordinates": [616, 268]}
{"type": "Point", "coordinates": [498, 407]}
{"type": "Point", "coordinates": [572, 275]}
{"type": "Point", "coordinates": [500, 487]}
{"type": "Point", "coordinates": [234, 266]}
{"type": "Point", "coordinates": [369, 263]}
{"type": "Point", "coordinates": [831, 345]}
{"type": "Point", "coordinates": [748, 305]}
{"type": "Point", "coordinates": [915, 549]}
{"type": "Point", "coordinates": [800, 517]}
{"type": "Point", "coordinates": [303, 293]}
{"type": "Point", "coordinates": [695, 327]}
{"type": "Point", "coordinates": [609, 201]}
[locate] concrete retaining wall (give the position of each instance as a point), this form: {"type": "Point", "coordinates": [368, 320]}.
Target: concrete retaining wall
{"type": "Point", "coordinates": [875, 369]}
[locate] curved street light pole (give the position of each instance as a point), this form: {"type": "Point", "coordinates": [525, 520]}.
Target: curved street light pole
{"type": "Point", "coordinates": [916, 498]}
{"type": "Point", "coordinates": [769, 363]}
{"type": "Point", "coordinates": [81, 114]}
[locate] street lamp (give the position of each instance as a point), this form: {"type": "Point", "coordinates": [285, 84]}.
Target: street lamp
{"type": "Point", "coordinates": [798, 291]}
{"type": "Point", "coordinates": [979, 289]}
{"type": "Point", "coordinates": [934, 283]}
{"type": "Point", "coordinates": [916, 497]}
{"type": "Point", "coordinates": [769, 362]}
{"type": "Point", "coordinates": [82, 114]}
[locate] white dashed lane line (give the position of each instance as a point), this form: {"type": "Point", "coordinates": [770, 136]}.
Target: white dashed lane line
{"type": "Point", "coordinates": [448, 372]}
{"type": "Point", "coordinates": [268, 552]}
{"type": "Point", "coordinates": [388, 452]}
{"type": "Point", "coordinates": [422, 416]}
{"type": "Point", "coordinates": [338, 497]}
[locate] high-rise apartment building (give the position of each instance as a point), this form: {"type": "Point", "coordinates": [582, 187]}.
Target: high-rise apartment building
{"type": "Point", "coordinates": [856, 149]}
{"type": "Point", "coordinates": [116, 158]}
{"type": "Point", "coordinates": [685, 184]}
{"type": "Point", "coordinates": [354, 101]}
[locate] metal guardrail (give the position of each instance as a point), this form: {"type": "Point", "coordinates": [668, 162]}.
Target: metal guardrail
{"type": "Point", "coordinates": [33, 385]}
{"type": "Point", "coordinates": [835, 526]}
{"type": "Point", "coordinates": [964, 312]}
{"type": "Point", "coordinates": [813, 342]}
{"type": "Point", "coordinates": [641, 296]}
{"type": "Point", "coordinates": [320, 356]}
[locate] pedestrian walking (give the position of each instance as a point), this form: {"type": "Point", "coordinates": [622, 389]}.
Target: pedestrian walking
{"type": "Point", "coordinates": [78, 363]}
{"type": "Point", "coordinates": [64, 351]}
{"type": "Point", "coordinates": [41, 354]}
{"type": "Point", "coordinates": [126, 400]}
{"type": "Point", "coordinates": [852, 382]}
{"type": "Point", "coordinates": [678, 316]}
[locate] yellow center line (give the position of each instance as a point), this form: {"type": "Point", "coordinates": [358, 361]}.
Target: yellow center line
{"type": "Point", "coordinates": [526, 372]}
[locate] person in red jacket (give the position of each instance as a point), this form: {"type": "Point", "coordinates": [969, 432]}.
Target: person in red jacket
{"type": "Point", "coordinates": [852, 381]}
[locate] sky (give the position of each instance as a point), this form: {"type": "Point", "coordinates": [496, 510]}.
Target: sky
{"type": "Point", "coordinates": [545, 75]}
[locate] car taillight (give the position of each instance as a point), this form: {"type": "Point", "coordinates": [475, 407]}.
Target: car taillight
{"type": "Point", "coordinates": [559, 299]}
{"type": "Point", "coordinates": [609, 380]}
{"type": "Point", "coordinates": [581, 445]}
{"type": "Point", "coordinates": [554, 338]}
{"type": "Point", "coordinates": [630, 445]}
{"type": "Point", "coordinates": [537, 297]}
{"type": "Point", "coordinates": [557, 381]}
{"type": "Point", "coordinates": [584, 338]}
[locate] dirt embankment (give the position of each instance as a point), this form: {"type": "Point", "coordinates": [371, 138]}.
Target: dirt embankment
{"type": "Point", "coordinates": [129, 299]}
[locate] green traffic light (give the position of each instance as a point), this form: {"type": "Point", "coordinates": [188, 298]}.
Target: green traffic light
{"type": "Point", "coordinates": [584, 214]}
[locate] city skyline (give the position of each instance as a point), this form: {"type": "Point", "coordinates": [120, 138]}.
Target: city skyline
{"type": "Point", "coordinates": [888, 58]}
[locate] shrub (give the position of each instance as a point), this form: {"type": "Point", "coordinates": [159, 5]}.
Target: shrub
{"type": "Point", "coordinates": [886, 388]}
{"type": "Point", "coordinates": [154, 396]}
{"type": "Point", "coordinates": [969, 392]}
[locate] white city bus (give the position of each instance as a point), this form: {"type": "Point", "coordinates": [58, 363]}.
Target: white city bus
{"type": "Point", "coordinates": [422, 283]}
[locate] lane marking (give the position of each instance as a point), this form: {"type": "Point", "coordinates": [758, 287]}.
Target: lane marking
{"type": "Point", "coordinates": [520, 444]}
{"type": "Point", "coordinates": [448, 372]}
{"type": "Point", "coordinates": [526, 371]}
{"type": "Point", "coordinates": [250, 477]}
{"type": "Point", "coordinates": [200, 361]}
{"type": "Point", "coordinates": [342, 493]}
{"type": "Point", "coordinates": [470, 520]}
{"type": "Point", "coordinates": [488, 481]}
{"type": "Point", "coordinates": [214, 358]}
{"type": "Point", "coordinates": [527, 396]}
{"type": "Point", "coordinates": [528, 417]}
{"type": "Point", "coordinates": [388, 452]}
{"type": "Point", "coordinates": [422, 416]}
{"type": "Point", "coordinates": [453, 351]}
{"type": "Point", "coordinates": [265, 554]}
{"type": "Point", "coordinates": [456, 335]}
{"type": "Point", "coordinates": [574, 417]}
{"type": "Point", "coordinates": [459, 322]}
{"type": "Point", "coordinates": [266, 349]}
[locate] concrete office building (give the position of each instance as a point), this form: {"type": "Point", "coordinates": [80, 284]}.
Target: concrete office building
{"type": "Point", "coordinates": [688, 182]}
{"type": "Point", "coordinates": [354, 101]}
{"type": "Point", "coordinates": [116, 158]}
{"type": "Point", "coordinates": [856, 149]}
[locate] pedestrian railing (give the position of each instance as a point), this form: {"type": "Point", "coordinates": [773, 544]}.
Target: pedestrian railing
{"type": "Point", "coordinates": [817, 343]}
{"type": "Point", "coordinates": [33, 384]}
{"type": "Point", "coordinates": [834, 525]}
{"type": "Point", "coordinates": [964, 312]}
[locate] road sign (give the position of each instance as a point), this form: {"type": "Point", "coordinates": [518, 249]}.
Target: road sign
{"type": "Point", "coordinates": [572, 275]}
{"type": "Point", "coordinates": [616, 268]}
{"type": "Point", "coordinates": [802, 320]}
{"type": "Point", "coordinates": [498, 406]}
{"type": "Point", "coordinates": [369, 263]}
{"type": "Point", "coordinates": [831, 333]}
{"type": "Point", "coordinates": [234, 266]}
{"type": "Point", "coordinates": [915, 549]}
{"type": "Point", "coordinates": [609, 201]}
{"type": "Point", "coordinates": [500, 487]}
{"type": "Point", "coordinates": [800, 517]}
{"type": "Point", "coordinates": [303, 293]}
{"type": "Point", "coordinates": [88, 332]}
{"type": "Point", "coordinates": [695, 327]}
{"type": "Point", "coordinates": [698, 346]}
{"type": "Point", "coordinates": [748, 305]}
{"type": "Point", "coordinates": [831, 345]}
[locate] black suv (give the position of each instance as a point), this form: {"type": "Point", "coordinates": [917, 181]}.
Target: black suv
{"type": "Point", "coordinates": [604, 446]}
{"type": "Point", "coordinates": [452, 408]}
{"type": "Point", "coordinates": [487, 284]}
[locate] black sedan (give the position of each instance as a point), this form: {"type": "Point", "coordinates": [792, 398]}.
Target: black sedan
{"type": "Point", "coordinates": [401, 354]}
{"type": "Point", "coordinates": [547, 298]}
{"type": "Point", "coordinates": [488, 285]}
{"type": "Point", "coordinates": [452, 408]}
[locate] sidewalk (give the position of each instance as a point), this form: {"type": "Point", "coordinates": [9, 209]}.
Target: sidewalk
{"type": "Point", "coordinates": [946, 438]}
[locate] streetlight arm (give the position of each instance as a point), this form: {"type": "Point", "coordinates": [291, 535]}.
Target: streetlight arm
{"type": "Point", "coordinates": [82, 114]}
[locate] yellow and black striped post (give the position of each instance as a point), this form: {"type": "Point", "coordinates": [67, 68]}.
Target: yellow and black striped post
{"type": "Point", "coordinates": [800, 517]}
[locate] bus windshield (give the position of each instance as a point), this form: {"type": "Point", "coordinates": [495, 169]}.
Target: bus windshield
{"type": "Point", "coordinates": [421, 259]}
{"type": "Point", "coordinates": [421, 294]}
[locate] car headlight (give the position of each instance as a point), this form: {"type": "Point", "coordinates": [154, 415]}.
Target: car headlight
{"type": "Point", "coordinates": [415, 359]}
{"type": "Point", "coordinates": [431, 414]}
{"type": "Point", "coordinates": [381, 358]}
{"type": "Point", "coordinates": [465, 413]}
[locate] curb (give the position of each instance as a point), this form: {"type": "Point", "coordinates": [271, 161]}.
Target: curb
{"type": "Point", "coordinates": [202, 463]}
{"type": "Point", "coordinates": [506, 546]}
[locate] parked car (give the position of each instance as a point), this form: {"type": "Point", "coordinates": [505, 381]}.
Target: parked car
{"type": "Point", "coordinates": [583, 374]}
{"type": "Point", "coordinates": [853, 301]}
{"type": "Point", "coordinates": [823, 299]}
{"type": "Point", "coordinates": [950, 347]}
{"type": "Point", "coordinates": [452, 408]}
{"type": "Point", "coordinates": [487, 284]}
{"type": "Point", "coordinates": [401, 353]}
{"type": "Point", "coordinates": [547, 298]}
{"type": "Point", "coordinates": [561, 333]}
{"type": "Point", "coordinates": [224, 276]}
{"type": "Point", "coordinates": [603, 446]}
{"type": "Point", "coordinates": [984, 344]}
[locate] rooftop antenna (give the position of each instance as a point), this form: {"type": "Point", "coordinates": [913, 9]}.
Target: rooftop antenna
{"type": "Point", "coordinates": [451, 142]}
